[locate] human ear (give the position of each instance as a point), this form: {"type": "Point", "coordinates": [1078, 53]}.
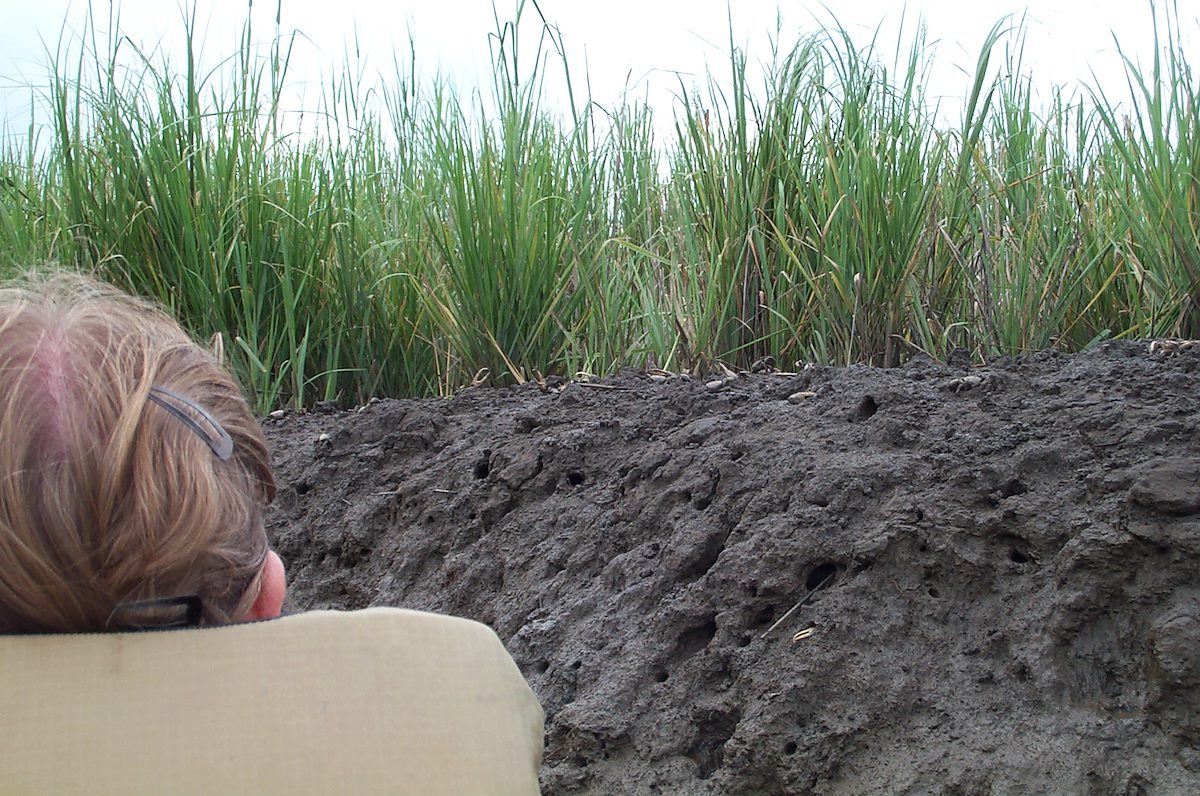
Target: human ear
{"type": "Point", "coordinates": [272, 589]}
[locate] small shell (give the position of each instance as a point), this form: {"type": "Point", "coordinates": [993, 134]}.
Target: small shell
{"type": "Point", "coordinates": [801, 397]}
{"type": "Point", "coordinates": [963, 383]}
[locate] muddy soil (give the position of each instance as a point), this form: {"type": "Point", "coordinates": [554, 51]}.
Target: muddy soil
{"type": "Point", "coordinates": [929, 579]}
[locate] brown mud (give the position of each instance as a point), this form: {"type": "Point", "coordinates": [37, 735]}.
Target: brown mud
{"type": "Point", "coordinates": [908, 582]}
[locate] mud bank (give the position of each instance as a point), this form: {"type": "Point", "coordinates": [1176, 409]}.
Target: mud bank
{"type": "Point", "coordinates": [929, 579]}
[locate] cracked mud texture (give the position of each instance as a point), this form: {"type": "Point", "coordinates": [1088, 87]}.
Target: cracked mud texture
{"type": "Point", "coordinates": [997, 577]}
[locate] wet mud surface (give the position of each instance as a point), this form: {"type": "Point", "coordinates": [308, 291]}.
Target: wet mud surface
{"type": "Point", "coordinates": [929, 579]}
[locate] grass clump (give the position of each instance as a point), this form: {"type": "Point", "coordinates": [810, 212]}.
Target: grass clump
{"type": "Point", "coordinates": [417, 237]}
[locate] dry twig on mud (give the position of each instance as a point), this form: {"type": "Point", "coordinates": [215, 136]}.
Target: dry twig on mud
{"type": "Point", "coordinates": [797, 606]}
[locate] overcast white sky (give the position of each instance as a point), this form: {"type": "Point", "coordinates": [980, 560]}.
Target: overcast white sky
{"type": "Point", "coordinates": [643, 42]}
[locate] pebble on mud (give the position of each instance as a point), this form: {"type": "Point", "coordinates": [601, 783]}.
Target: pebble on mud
{"type": "Point", "coordinates": [801, 397]}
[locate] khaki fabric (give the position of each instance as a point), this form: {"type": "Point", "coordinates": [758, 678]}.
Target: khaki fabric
{"type": "Point", "coordinates": [376, 701]}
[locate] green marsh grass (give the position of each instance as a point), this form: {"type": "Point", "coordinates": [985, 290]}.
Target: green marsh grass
{"type": "Point", "coordinates": [413, 237]}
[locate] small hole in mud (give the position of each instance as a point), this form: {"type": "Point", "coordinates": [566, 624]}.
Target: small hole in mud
{"type": "Point", "coordinates": [821, 575]}
{"type": "Point", "coordinates": [922, 548]}
{"type": "Point", "coordinates": [575, 666]}
{"type": "Point", "coordinates": [483, 466]}
{"type": "Point", "coordinates": [1014, 487]}
{"type": "Point", "coordinates": [866, 408]}
{"type": "Point", "coordinates": [744, 641]}
{"type": "Point", "coordinates": [696, 639]}
{"type": "Point", "coordinates": [1017, 556]}
{"type": "Point", "coordinates": [920, 514]}
{"type": "Point", "coordinates": [764, 616]}
{"type": "Point", "coordinates": [789, 748]}
{"type": "Point", "coordinates": [302, 488]}
{"type": "Point", "coordinates": [661, 676]}
{"type": "Point", "coordinates": [934, 593]}
{"type": "Point", "coordinates": [737, 455]}
{"type": "Point", "coordinates": [542, 667]}
{"type": "Point", "coordinates": [575, 478]}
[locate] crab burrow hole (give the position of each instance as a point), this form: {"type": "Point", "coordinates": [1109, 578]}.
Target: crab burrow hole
{"type": "Point", "coordinates": [866, 408]}
{"type": "Point", "coordinates": [483, 465]}
{"type": "Point", "coordinates": [821, 576]}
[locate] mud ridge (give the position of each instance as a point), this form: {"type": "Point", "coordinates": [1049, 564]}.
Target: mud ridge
{"type": "Point", "coordinates": [928, 579]}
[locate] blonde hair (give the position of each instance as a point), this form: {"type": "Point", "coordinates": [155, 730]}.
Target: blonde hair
{"type": "Point", "coordinates": [107, 499]}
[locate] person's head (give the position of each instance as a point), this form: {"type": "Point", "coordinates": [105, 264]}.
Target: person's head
{"type": "Point", "coordinates": [117, 484]}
